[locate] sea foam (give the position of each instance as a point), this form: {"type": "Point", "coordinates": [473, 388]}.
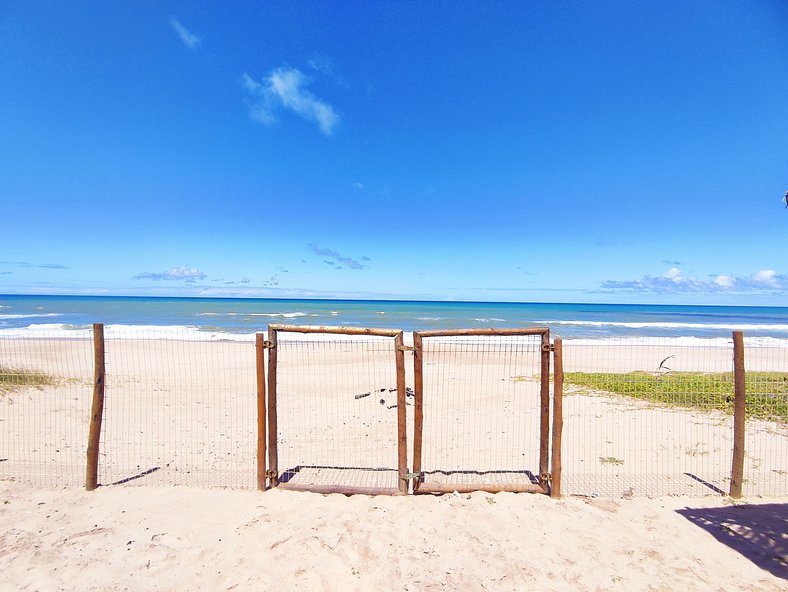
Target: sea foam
{"type": "Point", "coordinates": [781, 328]}
{"type": "Point", "coordinates": [29, 316]}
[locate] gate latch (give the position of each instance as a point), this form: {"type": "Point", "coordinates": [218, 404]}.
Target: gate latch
{"type": "Point", "coordinates": [404, 348]}
{"type": "Point", "coordinates": [548, 347]}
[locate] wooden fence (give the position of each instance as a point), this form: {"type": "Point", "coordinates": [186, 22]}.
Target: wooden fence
{"type": "Point", "coordinates": [363, 390]}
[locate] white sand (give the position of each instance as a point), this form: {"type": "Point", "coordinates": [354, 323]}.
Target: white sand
{"type": "Point", "coordinates": [195, 539]}
{"type": "Point", "coordinates": [183, 413]}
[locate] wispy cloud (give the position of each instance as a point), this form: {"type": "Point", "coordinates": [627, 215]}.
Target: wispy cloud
{"type": "Point", "coordinates": [182, 274]}
{"type": "Point", "coordinates": [335, 258]}
{"type": "Point", "coordinates": [189, 39]}
{"type": "Point", "coordinates": [673, 281]}
{"type": "Point", "coordinates": [321, 63]}
{"type": "Point", "coordinates": [38, 265]}
{"type": "Point", "coordinates": [286, 88]}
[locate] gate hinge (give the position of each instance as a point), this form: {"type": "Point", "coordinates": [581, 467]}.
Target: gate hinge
{"type": "Point", "coordinates": [408, 476]}
{"type": "Point", "coordinates": [545, 477]}
{"type": "Point", "coordinates": [548, 347]}
{"type": "Point", "coordinates": [270, 473]}
{"type": "Point", "coordinates": [404, 348]}
{"type": "Point", "coordinates": [268, 345]}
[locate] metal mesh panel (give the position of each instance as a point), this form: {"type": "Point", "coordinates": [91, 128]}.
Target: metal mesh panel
{"type": "Point", "coordinates": [481, 413]}
{"type": "Point", "coordinates": [45, 389]}
{"type": "Point", "coordinates": [336, 412]}
{"type": "Point", "coordinates": [178, 411]}
{"type": "Point", "coordinates": [766, 439]}
{"type": "Point", "coordinates": [647, 417]}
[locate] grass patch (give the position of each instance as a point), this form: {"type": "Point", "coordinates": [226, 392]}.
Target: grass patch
{"type": "Point", "coordinates": [610, 460]}
{"type": "Point", "coordinates": [12, 379]}
{"type": "Point", "coordinates": [767, 392]}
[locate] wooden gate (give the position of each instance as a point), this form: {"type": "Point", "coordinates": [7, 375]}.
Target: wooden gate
{"type": "Point", "coordinates": [337, 410]}
{"type": "Point", "coordinates": [482, 411]}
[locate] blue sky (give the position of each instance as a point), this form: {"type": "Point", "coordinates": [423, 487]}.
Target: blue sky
{"type": "Point", "coordinates": [524, 151]}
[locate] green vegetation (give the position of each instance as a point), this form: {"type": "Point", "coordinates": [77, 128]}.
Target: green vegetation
{"type": "Point", "coordinates": [12, 379]}
{"type": "Point", "coordinates": [610, 460]}
{"type": "Point", "coordinates": [767, 392]}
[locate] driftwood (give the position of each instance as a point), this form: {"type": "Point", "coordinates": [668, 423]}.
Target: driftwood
{"type": "Point", "coordinates": [408, 393]}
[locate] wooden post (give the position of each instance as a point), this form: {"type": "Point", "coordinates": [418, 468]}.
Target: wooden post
{"type": "Point", "coordinates": [97, 408]}
{"type": "Point", "coordinates": [739, 410]}
{"type": "Point", "coordinates": [273, 457]}
{"type": "Point", "coordinates": [544, 425]}
{"type": "Point", "coordinates": [418, 406]}
{"type": "Point", "coordinates": [558, 417]}
{"type": "Point", "coordinates": [260, 366]}
{"type": "Point", "coordinates": [402, 440]}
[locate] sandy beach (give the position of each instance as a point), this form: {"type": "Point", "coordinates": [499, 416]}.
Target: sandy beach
{"type": "Point", "coordinates": [177, 508]}
{"type": "Point", "coordinates": [178, 538]}
{"type": "Point", "coordinates": [184, 413]}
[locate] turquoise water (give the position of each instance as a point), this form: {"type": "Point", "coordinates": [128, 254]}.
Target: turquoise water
{"type": "Point", "coordinates": [233, 315]}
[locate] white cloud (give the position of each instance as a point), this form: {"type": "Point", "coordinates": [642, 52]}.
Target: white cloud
{"type": "Point", "coordinates": [767, 277]}
{"type": "Point", "coordinates": [673, 281]}
{"type": "Point", "coordinates": [250, 84]}
{"type": "Point", "coordinates": [674, 273]}
{"type": "Point", "coordinates": [263, 109]}
{"type": "Point", "coordinates": [189, 39]}
{"type": "Point", "coordinates": [322, 63]}
{"type": "Point", "coordinates": [185, 274]}
{"type": "Point", "coordinates": [286, 87]}
{"type": "Point", "coordinates": [40, 265]}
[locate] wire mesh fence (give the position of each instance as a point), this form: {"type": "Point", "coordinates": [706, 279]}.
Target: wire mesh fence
{"type": "Point", "coordinates": [45, 387]}
{"type": "Point", "coordinates": [478, 423]}
{"type": "Point", "coordinates": [641, 416]}
{"type": "Point", "coordinates": [178, 411]}
{"type": "Point", "coordinates": [650, 416]}
{"type": "Point", "coordinates": [766, 447]}
{"type": "Point", "coordinates": [337, 421]}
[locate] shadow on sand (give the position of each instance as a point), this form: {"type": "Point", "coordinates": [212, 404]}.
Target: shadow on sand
{"type": "Point", "coordinates": [291, 473]}
{"type": "Point", "coordinates": [711, 486]}
{"type": "Point", "coordinates": [757, 531]}
{"type": "Point", "coordinates": [138, 476]}
{"type": "Point", "coordinates": [486, 474]}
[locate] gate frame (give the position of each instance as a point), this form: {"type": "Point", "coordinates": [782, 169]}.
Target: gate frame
{"type": "Point", "coordinates": [402, 437]}
{"type": "Point", "coordinates": [544, 405]}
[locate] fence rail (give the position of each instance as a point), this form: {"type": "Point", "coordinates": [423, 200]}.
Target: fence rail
{"type": "Point", "coordinates": [328, 411]}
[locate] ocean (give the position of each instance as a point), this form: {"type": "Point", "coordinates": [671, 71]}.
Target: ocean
{"type": "Point", "coordinates": [215, 318]}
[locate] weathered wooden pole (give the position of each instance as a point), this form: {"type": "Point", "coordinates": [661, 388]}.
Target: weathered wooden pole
{"type": "Point", "coordinates": [739, 411]}
{"type": "Point", "coordinates": [558, 417]}
{"type": "Point", "coordinates": [544, 419]}
{"type": "Point", "coordinates": [97, 408]}
{"type": "Point", "coordinates": [260, 366]}
{"type": "Point", "coordinates": [402, 439]}
{"type": "Point", "coordinates": [418, 406]}
{"type": "Point", "coordinates": [273, 455]}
